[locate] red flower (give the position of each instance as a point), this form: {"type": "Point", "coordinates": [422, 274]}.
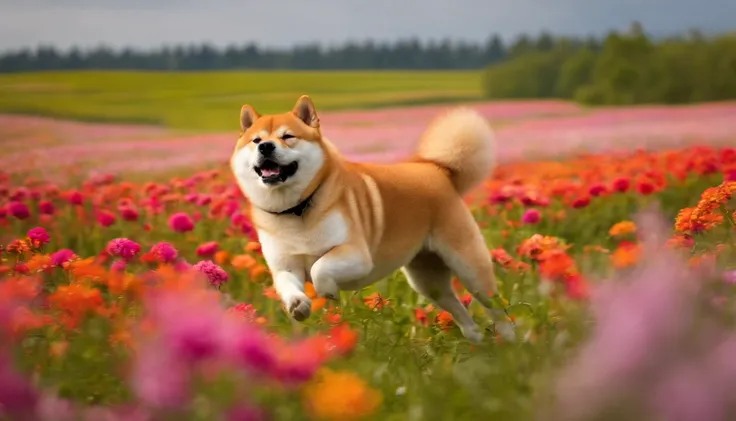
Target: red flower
{"type": "Point", "coordinates": [621, 185]}
{"type": "Point", "coordinates": [581, 202]}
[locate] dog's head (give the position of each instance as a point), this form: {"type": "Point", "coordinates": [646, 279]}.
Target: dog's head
{"type": "Point", "coordinates": [278, 157]}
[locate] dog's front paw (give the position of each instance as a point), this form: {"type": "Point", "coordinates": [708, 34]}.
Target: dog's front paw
{"type": "Point", "coordinates": [299, 307]}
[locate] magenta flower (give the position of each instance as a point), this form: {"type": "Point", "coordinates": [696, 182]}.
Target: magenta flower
{"type": "Point", "coordinates": [39, 235]}
{"type": "Point", "coordinates": [62, 256]}
{"type": "Point", "coordinates": [204, 200]}
{"type": "Point", "coordinates": [215, 274]}
{"type": "Point", "coordinates": [207, 249]}
{"type": "Point", "coordinates": [46, 207]}
{"type": "Point", "coordinates": [244, 412]}
{"type": "Point", "coordinates": [182, 265]}
{"type": "Point", "coordinates": [181, 222]}
{"type": "Point", "coordinates": [75, 197]}
{"type": "Point", "coordinates": [128, 213]}
{"type": "Point", "coordinates": [18, 209]}
{"type": "Point", "coordinates": [531, 216]}
{"type": "Point", "coordinates": [118, 266]}
{"type": "Point", "coordinates": [123, 248]}
{"type": "Point", "coordinates": [164, 252]}
{"type": "Point", "coordinates": [105, 217]}
{"type": "Point", "coordinates": [18, 398]}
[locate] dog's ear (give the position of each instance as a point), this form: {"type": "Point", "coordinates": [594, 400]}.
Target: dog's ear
{"type": "Point", "coordinates": [248, 116]}
{"type": "Point", "coordinates": [305, 111]}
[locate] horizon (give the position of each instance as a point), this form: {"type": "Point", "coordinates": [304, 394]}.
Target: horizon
{"type": "Point", "coordinates": [144, 25]}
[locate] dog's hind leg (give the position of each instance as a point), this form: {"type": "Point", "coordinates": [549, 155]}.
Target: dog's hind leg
{"type": "Point", "coordinates": [460, 244]}
{"type": "Point", "coordinates": [429, 276]}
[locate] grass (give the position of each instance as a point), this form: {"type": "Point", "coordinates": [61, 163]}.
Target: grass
{"type": "Point", "coordinates": [210, 101]}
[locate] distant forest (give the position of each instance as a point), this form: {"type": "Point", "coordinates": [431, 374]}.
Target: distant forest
{"type": "Point", "coordinates": [409, 54]}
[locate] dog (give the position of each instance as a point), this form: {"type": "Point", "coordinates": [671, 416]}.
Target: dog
{"type": "Point", "coordinates": [345, 225]}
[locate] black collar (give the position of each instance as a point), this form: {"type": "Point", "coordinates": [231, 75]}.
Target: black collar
{"type": "Point", "coordinates": [299, 209]}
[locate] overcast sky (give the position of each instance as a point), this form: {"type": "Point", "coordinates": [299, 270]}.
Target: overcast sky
{"type": "Point", "coordinates": [151, 23]}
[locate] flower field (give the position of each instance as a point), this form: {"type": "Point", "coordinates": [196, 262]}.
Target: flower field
{"type": "Point", "coordinates": [123, 300]}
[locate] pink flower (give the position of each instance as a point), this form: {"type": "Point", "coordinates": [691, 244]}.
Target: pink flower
{"type": "Point", "coordinates": [531, 216]}
{"type": "Point", "coordinates": [730, 277]}
{"type": "Point", "coordinates": [159, 378]}
{"type": "Point", "coordinates": [39, 235]}
{"type": "Point", "coordinates": [181, 222]}
{"type": "Point", "coordinates": [105, 217]}
{"type": "Point", "coordinates": [123, 248]}
{"type": "Point", "coordinates": [164, 252]}
{"type": "Point", "coordinates": [46, 207]}
{"type": "Point", "coordinates": [18, 210]}
{"type": "Point", "coordinates": [62, 256]}
{"type": "Point", "coordinates": [215, 274]}
{"type": "Point", "coordinates": [730, 176]}
{"type": "Point", "coordinates": [207, 249]}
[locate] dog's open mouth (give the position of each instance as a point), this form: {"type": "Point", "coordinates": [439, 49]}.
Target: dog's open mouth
{"type": "Point", "coordinates": [273, 173]}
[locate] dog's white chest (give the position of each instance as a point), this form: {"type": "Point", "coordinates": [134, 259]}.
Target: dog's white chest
{"type": "Point", "coordinates": [294, 238]}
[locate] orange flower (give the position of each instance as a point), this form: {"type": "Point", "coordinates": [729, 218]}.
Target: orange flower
{"type": "Point", "coordinates": [375, 301]}
{"type": "Point", "coordinates": [318, 302]}
{"type": "Point", "coordinates": [86, 269]}
{"type": "Point", "coordinates": [537, 244]}
{"type": "Point", "coordinates": [554, 264]}
{"type": "Point", "coordinates": [626, 254]}
{"type": "Point", "coordinates": [76, 299]}
{"type": "Point", "coordinates": [271, 293]}
{"type": "Point", "coordinates": [221, 257]}
{"type": "Point", "coordinates": [243, 261]}
{"type": "Point", "coordinates": [444, 320]}
{"type": "Point", "coordinates": [253, 246]}
{"type": "Point", "coordinates": [339, 396]}
{"type": "Point", "coordinates": [39, 262]}
{"type": "Point", "coordinates": [257, 271]}
{"type": "Point", "coordinates": [622, 228]}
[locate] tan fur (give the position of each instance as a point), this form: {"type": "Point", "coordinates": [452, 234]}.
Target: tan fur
{"type": "Point", "coordinates": [368, 220]}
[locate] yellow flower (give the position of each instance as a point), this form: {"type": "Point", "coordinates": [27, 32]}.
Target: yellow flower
{"type": "Point", "coordinates": [340, 395]}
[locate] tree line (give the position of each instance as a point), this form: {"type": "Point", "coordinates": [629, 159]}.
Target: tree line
{"type": "Point", "coordinates": [403, 54]}
{"type": "Point", "coordinates": [627, 68]}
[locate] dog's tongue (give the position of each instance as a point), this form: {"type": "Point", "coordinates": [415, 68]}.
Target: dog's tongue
{"type": "Point", "coordinates": [270, 172]}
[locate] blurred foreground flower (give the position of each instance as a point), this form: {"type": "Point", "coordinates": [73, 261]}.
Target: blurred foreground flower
{"type": "Point", "coordinates": [651, 355]}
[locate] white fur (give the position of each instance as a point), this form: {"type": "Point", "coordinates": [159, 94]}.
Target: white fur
{"type": "Point", "coordinates": [276, 198]}
{"type": "Point", "coordinates": [292, 254]}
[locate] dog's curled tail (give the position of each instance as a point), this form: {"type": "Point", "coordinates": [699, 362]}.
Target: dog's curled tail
{"type": "Point", "coordinates": [462, 142]}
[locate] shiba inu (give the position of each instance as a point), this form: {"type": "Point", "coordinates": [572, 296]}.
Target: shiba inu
{"type": "Point", "coordinates": [344, 225]}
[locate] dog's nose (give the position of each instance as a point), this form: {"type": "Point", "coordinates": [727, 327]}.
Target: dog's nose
{"type": "Point", "coordinates": [266, 148]}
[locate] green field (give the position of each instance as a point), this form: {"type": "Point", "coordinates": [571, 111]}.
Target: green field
{"type": "Point", "coordinates": [211, 100]}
